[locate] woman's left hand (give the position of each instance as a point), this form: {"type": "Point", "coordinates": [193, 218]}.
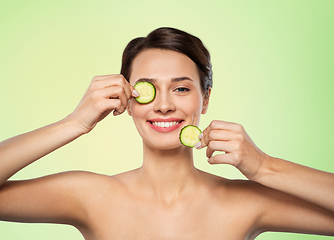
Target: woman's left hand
{"type": "Point", "coordinates": [311, 210]}
{"type": "Point", "coordinates": [240, 150]}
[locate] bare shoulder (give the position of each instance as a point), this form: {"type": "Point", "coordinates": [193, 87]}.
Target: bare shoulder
{"type": "Point", "coordinates": [76, 180]}
{"type": "Point", "coordinates": [93, 184]}
{"type": "Point", "coordinates": [58, 198]}
{"type": "Point", "coordinates": [244, 195]}
{"type": "Point", "coordinates": [96, 187]}
{"type": "Point", "coordinates": [239, 201]}
{"type": "Point", "coordinates": [87, 178]}
{"type": "Point", "coordinates": [236, 188]}
{"type": "Point", "coordinates": [267, 209]}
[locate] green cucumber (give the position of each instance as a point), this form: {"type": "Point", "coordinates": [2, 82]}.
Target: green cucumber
{"type": "Point", "coordinates": [146, 91]}
{"type": "Point", "coordinates": [189, 135]}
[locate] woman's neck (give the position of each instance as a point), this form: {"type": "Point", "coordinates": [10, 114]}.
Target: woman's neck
{"type": "Point", "coordinates": [168, 173]}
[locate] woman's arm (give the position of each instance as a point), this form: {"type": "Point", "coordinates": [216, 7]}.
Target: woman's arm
{"type": "Point", "coordinates": [304, 183]}
{"type": "Point", "coordinates": [49, 199]}
{"type": "Point", "coordinates": [20, 151]}
{"type": "Point", "coordinates": [105, 94]}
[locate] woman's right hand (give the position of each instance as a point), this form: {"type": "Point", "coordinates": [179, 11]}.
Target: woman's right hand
{"type": "Point", "coordinates": [105, 94]}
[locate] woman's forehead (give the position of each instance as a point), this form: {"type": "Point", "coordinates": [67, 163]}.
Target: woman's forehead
{"type": "Point", "coordinates": [163, 64]}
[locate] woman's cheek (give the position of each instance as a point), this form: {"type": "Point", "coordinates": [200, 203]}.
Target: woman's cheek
{"type": "Point", "coordinates": [193, 108]}
{"type": "Point", "coordinates": [138, 113]}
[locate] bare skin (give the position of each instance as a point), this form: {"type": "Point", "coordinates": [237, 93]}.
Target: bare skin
{"type": "Point", "coordinates": [167, 197]}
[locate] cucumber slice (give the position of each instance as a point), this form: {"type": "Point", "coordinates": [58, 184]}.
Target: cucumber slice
{"type": "Point", "coordinates": [189, 135]}
{"type": "Point", "coordinates": [146, 91]}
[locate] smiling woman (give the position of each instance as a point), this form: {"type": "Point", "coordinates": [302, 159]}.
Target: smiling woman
{"type": "Point", "coordinates": [167, 197]}
{"type": "Point", "coordinates": [179, 97]}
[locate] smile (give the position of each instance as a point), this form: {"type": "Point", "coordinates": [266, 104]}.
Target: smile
{"type": "Point", "coordinates": [165, 125]}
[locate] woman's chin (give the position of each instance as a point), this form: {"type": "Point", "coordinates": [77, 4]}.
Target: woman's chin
{"type": "Point", "coordinates": [164, 145]}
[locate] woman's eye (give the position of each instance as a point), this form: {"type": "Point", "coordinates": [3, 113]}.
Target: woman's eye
{"type": "Point", "coordinates": [182, 89]}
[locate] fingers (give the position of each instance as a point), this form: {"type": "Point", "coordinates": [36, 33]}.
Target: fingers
{"type": "Point", "coordinates": [220, 130]}
{"type": "Point", "coordinates": [117, 97]}
{"type": "Point", "coordinates": [222, 136]}
{"type": "Point", "coordinates": [222, 158]}
{"type": "Point", "coordinates": [217, 124]}
{"type": "Point", "coordinates": [214, 134]}
{"type": "Point", "coordinates": [238, 148]}
{"type": "Point", "coordinates": [221, 146]}
{"type": "Point", "coordinates": [105, 94]}
{"type": "Point", "coordinates": [106, 81]}
{"type": "Point", "coordinates": [111, 87]}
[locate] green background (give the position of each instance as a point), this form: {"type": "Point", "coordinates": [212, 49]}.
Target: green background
{"type": "Point", "coordinates": [272, 65]}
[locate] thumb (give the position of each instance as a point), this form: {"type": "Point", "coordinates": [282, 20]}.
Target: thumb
{"type": "Point", "coordinates": [135, 93]}
{"type": "Point", "coordinates": [223, 158]}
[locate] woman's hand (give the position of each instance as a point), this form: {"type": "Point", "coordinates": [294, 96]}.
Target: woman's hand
{"type": "Point", "coordinates": [105, 94]}
{"type": "Point", "coordinates": [240, 150]}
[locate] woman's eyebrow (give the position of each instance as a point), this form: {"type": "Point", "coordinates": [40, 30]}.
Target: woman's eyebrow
{"type": "Point", "coordinates": [151, 80]}
{"type": "Point", "coordinates": [178, 79]}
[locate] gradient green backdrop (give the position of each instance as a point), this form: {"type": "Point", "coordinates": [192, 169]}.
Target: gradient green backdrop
{"type": "Point", "coordinates": [272, 64]}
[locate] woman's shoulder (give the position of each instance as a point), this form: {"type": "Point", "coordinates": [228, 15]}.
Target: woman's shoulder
{"type": "Point", "coordinates": [234, 188]}
{"type": "Point", "coordinates": [89, 182]}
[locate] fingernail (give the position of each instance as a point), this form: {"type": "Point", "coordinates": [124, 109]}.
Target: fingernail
{"type": "Point", "coordinates": [116, 113]}
{"type": "Point", "coordinates": [200, 136]}
{"type": "Point", "coordinates": [208, 160]}
{"type": "Point", "coordinates": [198, 144]}
{"type": "Point", "coordinates": [135, 93]}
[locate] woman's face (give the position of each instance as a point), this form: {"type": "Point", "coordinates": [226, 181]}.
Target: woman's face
{"type": "Point", "coordinates": [178, 101]}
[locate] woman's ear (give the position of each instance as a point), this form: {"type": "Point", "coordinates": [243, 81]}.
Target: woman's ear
{"type": "Point", "coordinates": [206, 101]}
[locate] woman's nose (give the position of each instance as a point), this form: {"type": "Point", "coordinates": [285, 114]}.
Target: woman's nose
{"type": "Point", "coordinates": [163, 103]}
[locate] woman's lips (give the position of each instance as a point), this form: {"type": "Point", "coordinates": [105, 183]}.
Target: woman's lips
{"type": "Point", "coordinates": [165, 125]}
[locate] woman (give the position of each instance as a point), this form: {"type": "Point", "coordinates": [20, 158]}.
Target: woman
{"type": "Point", "coordinates": [167, 197]}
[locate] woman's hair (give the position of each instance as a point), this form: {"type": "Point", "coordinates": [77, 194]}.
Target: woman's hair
{"type": "Point", "coordinates": [175, 40]}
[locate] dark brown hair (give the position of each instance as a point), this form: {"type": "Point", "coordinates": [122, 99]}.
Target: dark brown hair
{"type": "Point", "coordinates": [175, 40]}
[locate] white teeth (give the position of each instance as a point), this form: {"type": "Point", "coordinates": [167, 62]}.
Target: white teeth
{"type": "Point", "coordinates": [164, 124]}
